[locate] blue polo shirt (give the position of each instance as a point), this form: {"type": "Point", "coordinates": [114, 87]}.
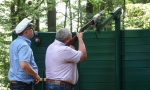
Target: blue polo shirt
{"type": "Point", "coordinates": [20, 50]}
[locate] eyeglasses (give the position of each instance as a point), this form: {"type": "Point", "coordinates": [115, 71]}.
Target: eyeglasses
{"type": "Point", "coordinates": [29, 28]}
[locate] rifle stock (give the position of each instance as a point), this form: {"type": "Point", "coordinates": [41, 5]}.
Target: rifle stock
{"type": "Point", "coordinates": [73, 41]}
{"type": "Point", "coordinates": [91, 22]}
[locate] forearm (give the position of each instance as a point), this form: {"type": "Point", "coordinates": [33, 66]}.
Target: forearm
{"type": "Point", "coordinates": [82, 48]}
{"type": "Point", "coordinates": [27, 68]}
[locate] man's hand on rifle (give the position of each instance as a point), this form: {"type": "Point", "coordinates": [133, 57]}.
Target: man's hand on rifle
{"type": "Point", "coordinates": [79, 35]}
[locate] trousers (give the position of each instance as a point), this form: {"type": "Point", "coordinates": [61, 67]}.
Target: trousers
{"type": "Point", "coordinates": [21, 86]}
{"type": "Point", "coordinates": [53, 86]}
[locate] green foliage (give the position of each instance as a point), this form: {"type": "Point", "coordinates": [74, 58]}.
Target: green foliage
{"type": "Point", "coordinates": [137, 16]}
{"type": "Point", "coordinates": [137, 1]}
{"type": "Point", "coordinates": [4, 59]}
{"type": "Point", "coordinates": [5, 38]}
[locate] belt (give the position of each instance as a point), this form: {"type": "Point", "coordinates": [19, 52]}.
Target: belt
{"type": "Point", "coordinates": [19, 82]}
{"type": "Point", "coordinates": [59, 82]}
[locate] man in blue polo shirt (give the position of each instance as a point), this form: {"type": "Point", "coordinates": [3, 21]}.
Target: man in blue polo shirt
{"type": "Point", "coordinates": [23, 69]}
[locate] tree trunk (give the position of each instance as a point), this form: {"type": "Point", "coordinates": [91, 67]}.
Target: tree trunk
{"type": "Point", "coordinates": [79, 19]}
{"type": "Point", "coordinates": [66, 13]}
{"type": "Point", "coordinates": [89, 13]}
{"type": "Point", "coordinates": [37, 22]}
{"type": "Point", "coordinates": [13, 19]}
{"type": "Point", "coordinates": [89, 10]}
{"type": "Point", "coordinates": [110, 8]}
{"type": "Point", "coordinates": [37, 28]}
{"type": "Point", "coordinates": [51, 15]}
{"type": "Point", "coordinates": [70, 13]}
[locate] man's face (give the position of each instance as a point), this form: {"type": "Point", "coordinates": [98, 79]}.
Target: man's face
{"type": "Point", "coordinates": [30, 32]}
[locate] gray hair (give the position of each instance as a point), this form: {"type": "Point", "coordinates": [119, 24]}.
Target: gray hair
{"type": "Point", "coordinates": [62, 34]}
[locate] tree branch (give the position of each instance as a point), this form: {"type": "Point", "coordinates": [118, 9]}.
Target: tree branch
{"type": "Point", "coordinates": [38, 5]}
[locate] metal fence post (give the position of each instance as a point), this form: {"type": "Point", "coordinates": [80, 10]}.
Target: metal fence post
{"type": "Point", "coordinates": [118, 53]}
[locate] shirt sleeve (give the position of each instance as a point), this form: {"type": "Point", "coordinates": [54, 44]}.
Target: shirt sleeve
{"type": "Point", "coordinates": [25, 53]}
{"type": "Point", "coordinates": [71, 55]}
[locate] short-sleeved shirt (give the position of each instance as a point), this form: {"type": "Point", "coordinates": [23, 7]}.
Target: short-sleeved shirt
{"type": "Point", "coordinates": [20, 50]}
{"type": "Point", "coordinates": [61, 62]}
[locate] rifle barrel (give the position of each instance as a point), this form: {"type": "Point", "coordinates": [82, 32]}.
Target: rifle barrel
{"type": "Point", "coordinates": [74, 39]}
{"type": "Point", "coordinates": [91, 22]}
{"type": "Point", "coordinates": [87, 25]}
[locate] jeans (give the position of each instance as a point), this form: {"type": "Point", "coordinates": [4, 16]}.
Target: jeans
{"type": "Point", "coordinates": [52, 86]}
{"type": "Point", "coordinates": [21, 86]}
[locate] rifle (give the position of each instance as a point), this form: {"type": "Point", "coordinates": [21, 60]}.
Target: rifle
{"type": "Point", "coordinates": [93, 21]}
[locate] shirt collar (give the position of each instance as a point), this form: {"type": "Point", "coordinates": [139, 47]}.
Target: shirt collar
{"type": "Point", "coordinates": [59, 42]}
{"type": "Point", "coordinates": [24, 38]}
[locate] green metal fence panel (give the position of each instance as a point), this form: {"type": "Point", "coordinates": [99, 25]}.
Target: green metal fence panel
{"type": "Point", "coordinates": [39, 55]}
{"type": "Point", "coordinates": [98, 72]}
{"type": "Point", "coordinates": [136, 60]}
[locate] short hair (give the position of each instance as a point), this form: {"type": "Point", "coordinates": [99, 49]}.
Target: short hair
{"type": "Point", "coordinates": [62, 34]}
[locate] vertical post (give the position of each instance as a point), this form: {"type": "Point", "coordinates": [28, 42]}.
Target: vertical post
{"type": "Point", "coordinates": [118, 53]}
{"type": "Point", "coordinates": [43, 80]}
